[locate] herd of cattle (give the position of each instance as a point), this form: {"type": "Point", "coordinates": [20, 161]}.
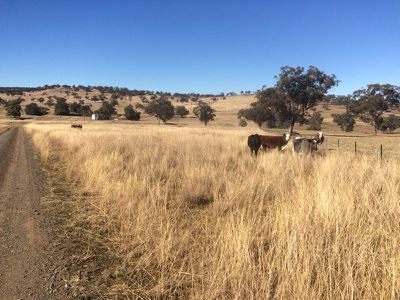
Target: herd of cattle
{"type": "Point", "coordinates": [296, 144]}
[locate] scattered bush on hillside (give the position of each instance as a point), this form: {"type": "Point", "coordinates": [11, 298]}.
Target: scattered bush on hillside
{"type": "Point", "coordinates": [49, 102]}
{"type": "Point", "coordinates": [140, 106]}
{"type": "Point", "coordinates": [184, 99]}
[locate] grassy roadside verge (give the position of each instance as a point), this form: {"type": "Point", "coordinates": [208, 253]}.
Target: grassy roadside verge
{"type": "Point", "coordinates": [78, 232]}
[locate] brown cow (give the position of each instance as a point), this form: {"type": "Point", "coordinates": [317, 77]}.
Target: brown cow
{"type": "Point", "coordinates": [79, 126]}
{"type": "Point", "coordinates": [272, 142]}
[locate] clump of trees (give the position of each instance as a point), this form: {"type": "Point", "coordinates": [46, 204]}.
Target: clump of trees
{"type": "Point", "coordinates": [262, 111]}
{"type": "Point", "coordinates": [35, 110]}
{"type": "Point", "coordinates": [204, 112]}
{"type": "Point", "coordinates": [181, 111]}
{"type": "Point", "coordinates": [346, 121]}
{"type": "Point", "coordinates": [370, 103]}
{"type": "Point", "coordinates": [131, 113]}
{"type": "Point", "coordinates": [161, 108]}
{"type": "Point", "coordinates": [296, 92]}
{"type": "Point", "coordinates": [390, 124]}
{"type": "Point", "coordinates": [61, 107]}
{"type": "Point", "coordinates": [80, 109]}
{"type": "Point", "coordinates": [106, 111]}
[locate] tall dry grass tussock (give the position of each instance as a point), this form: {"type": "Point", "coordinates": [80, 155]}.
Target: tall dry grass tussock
{"type": "Point", "coordinates": [191, 214]}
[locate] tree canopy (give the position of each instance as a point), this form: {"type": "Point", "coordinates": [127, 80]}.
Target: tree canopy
{"type": "Point", "coordinates": [301, 90]}
{"type": "Point", "coordinates": [61, 107]}
{"type": "Point", "coordinates": [131, 113]}
{"type": "Point", "coordinates": [106, 111]}
{"type": "Point", "coordinates": [80, 109]}
{"type": "Point", "coordinates": [35, 110]}
{"type": "Point", "coordinates": [295, 93]}
{"type": "Point", "coordinates": [371, 102]}
{"type": "Point", "coordinates": [345, 121]}
{"type": "Point", "coordinates": [161, 108]}
{"type": "Point", "coordinates": [13, 108]}
{"type": "Point", "coordinates": [204, 112]}
{"type": "Point", "coordinates": [181, 111]}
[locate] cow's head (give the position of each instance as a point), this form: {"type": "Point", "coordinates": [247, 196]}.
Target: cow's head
{"type": "Point", "coordinates": [321, 137]}
{"type": "Point", "coordinates": [287, 136]}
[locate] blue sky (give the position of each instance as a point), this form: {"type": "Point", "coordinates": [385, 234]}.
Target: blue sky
{"type": "Point", "coordinates": [199, 46]}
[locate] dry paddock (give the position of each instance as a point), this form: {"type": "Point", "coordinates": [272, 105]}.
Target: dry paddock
{"type": "Point", "coordinates": [189, 213]}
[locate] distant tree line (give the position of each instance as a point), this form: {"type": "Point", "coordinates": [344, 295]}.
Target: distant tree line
{"type": "Point", "coordinates": [120, 91]}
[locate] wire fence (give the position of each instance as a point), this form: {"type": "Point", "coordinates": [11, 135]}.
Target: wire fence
{"type": "Point", "coordinates": [379, 147]}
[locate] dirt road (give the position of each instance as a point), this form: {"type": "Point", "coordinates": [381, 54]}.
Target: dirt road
{"type": "Point", "coordinates": [27, 262]}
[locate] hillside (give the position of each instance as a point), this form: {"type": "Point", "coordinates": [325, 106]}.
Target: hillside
{"type": "Point", "coordinates": [226, 107]}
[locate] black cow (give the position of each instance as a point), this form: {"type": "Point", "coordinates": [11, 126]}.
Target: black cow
{"type": "Point", "coordinates": [254, 143]}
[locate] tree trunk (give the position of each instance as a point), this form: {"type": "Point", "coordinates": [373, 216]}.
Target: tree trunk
{"type": "Point", "coordinates": [292, 126]}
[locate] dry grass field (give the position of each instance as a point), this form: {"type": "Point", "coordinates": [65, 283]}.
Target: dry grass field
{"type": "Point", "coordinates": [186, 212]}
{"type": "Point", "coordinates": [183, 211]}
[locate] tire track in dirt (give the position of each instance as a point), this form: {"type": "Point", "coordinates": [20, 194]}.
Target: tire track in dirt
{"type": "Point", "coordinates": [26, 261]}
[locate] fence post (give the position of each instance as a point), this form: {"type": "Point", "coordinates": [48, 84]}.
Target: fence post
{"type": "Point", "coordinates": [338, 144]}
{"type": "Point", "coordinates": [355, 148]}
{"type": "Point", "coordinates": [381, 152]}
